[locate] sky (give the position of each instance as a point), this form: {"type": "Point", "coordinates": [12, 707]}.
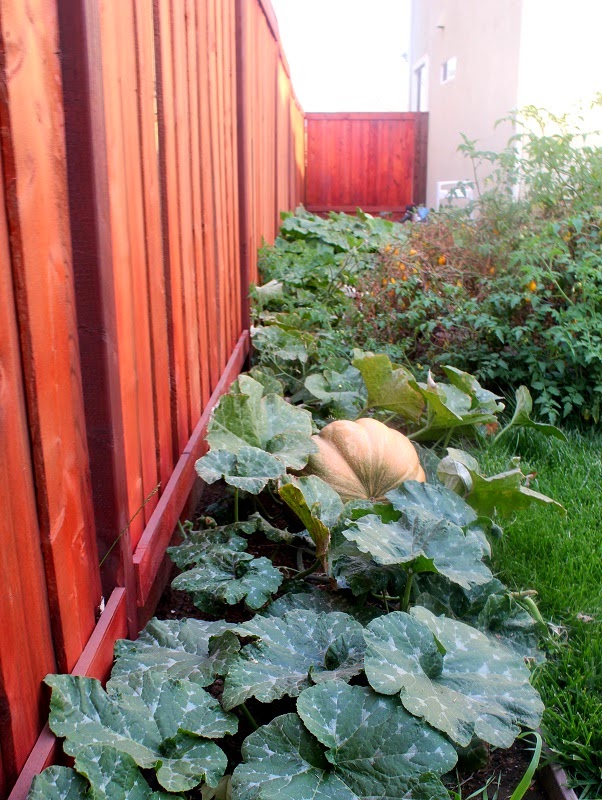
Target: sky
{"type": "Point", "coordinates": [347, 55]}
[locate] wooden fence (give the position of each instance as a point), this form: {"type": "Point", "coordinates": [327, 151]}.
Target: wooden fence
{"type": "Point", "coordinates": [146, 147]}
{"type": "Point", "coordinates": [373, 161]}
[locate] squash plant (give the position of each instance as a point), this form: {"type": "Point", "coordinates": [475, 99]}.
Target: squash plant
{"type": "Point", "coordinates": [366, 670]}
{"type": "Point", "coordinates": [363, 675]}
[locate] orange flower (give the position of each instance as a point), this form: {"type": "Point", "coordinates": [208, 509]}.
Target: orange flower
{"type": "Point", "coordinates": [392, 280]}
{"type": "Point", "coordinates": [441, 261]}
{"type": "Point", "coordinates": [532, 286]}
{"type": "Point", "coordinates": [387, 248]}
{"type": "Point", "coordinates": [492, 270]}
{"type": "Point", "coordinates": [396, 251]}
{"type": "Point", "coordinates": [412, 252]}
{"type": "Point", "coordinates": [402, 266]}
{"type": "Point", "coordinates": [404, 277]}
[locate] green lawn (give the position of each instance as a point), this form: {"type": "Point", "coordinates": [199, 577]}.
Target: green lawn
{"type": "Point", "coordinates": [561, 558]}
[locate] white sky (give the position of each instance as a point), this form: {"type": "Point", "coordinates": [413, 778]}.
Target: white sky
{"type": "Point", "coordinates": [347, 55]}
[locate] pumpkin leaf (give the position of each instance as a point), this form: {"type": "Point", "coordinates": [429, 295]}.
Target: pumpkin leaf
{"type": "Point", "coordinates": [177, 649]}
{"type": "Point", "coordinates": [245, 417]}
{"type": "Point", "coordinates": [422, 542]}
{"type": "Point", "coordinates": [389, 386]}
{"type": "Point", "coordinates": [522, 417]}
{"type": "Point", "coordinates": [452, 675]}
{"type": "Point", "coordinates": [503, 493]}
{"type": "Point", "coordinates": [274, 343]}
{"type": "Point", "coordinates": [249, 469]}
{"type": "Point", "coordinates": [363, 746]}
{"type": "Point", "coordinates": [467, 383]}
{"type": "Point", "coordinates": [320, 602]}
{"type": "Point", "coordinates": [58, 783]}
{"type": "Point", "coordinates": [291, 652]}
{"type": "Point", "coordinates": [343, 391]}
{"type": "Point", "coordinates": [488, 607]}
{"type": "Point", "coordinates": [152, 725]}
{"type": "Point", "coordinates": [316, 504]}
{"type": "Point", "coordinates": [449, 409]}
{"type": "Point", "coordinates": [355, 570]}
{"type": "Point", "coordinates": [226, 576]}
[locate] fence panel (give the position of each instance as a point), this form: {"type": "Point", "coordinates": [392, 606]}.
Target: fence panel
{"type": "Point", "coordinates": [169, 183]}
{"type": "Point", "coordinates": [372, 161]}
{"type": "Point", "coordinates": [272, 129]}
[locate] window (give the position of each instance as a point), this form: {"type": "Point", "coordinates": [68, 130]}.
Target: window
{"type": "Point", "coordinates": [448, 69]}
{"type": "Point", "coordinates": [420, 86]}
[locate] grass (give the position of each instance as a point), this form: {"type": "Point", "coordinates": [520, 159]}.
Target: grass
{"type": "Point", "coordinates": [561, 558]}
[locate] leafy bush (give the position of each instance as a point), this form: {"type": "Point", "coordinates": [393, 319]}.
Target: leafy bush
{"type": "Point", "coordinates": [509, 289]}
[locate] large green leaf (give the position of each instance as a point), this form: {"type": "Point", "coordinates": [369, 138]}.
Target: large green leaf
{"type": "Point", "coordinates": [358, 571]}
{"type": "Point", "coordinates": [504, 493]}
{"type": "Point", "coordinates": [422, 543]}
{"type": "Point", "coordinates": [343, 392]}
{"type": "Point", "coordinates": [245, 417]}
{"type": "Point", "coordinates": [389, 386]}
{"type": "Point", "coordinates": [274, 343]}
{"type": "Point", "coordinates": [290, 652]}
{"type": "Point", "coordinates": [224, 576]}
{"type": "Point", "coordinates": [365, 747]}
{"type": "Point", "coordinates": [58, 783]}
{"type": "Point", "coordinates": [161, 724]}
{"type": "Point", "coordinates": [177, 649]}
{"type": "Point", "coordinates": [452, 675]}
{"type": "Point", "coordinates": [522, 417]}
{"type": "Point", "coordinates": [449, 409]}
{"type": "Point", "coordinates": [249, 469]}
{"type": "Point", "coordinates": [442, 503]}
{"type": "Point", "coordinates": [316, 504]}
{"type": "Point", "coordinates": [110, 774]}
{"type": "Point", "coordinates": [489, 607]}
{"type": "Point", "coordinates": [467, 383]}
{"type": "Point", "coordinates": [320, 602]}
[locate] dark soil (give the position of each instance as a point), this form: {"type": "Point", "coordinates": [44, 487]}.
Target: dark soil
{"type": "Point", "coordinates": [504, 769]}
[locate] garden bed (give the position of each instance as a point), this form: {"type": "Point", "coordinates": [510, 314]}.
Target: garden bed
{"type": "Point", "coordinates": [347, 636]}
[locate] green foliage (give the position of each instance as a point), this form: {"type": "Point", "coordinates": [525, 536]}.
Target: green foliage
{"type": "Point", "coordinates": [508, 288]}
{"type": "Point", "coordinates": [363, 674]}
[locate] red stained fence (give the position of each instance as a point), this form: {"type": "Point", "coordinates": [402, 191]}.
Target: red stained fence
{"type": "Point", "coordinates": [376, 162]}
{"type": "Point", "coordinates": [146, 147]}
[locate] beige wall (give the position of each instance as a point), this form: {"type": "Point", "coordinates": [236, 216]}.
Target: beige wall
{"type": "Point", "coordinates": [560, 56]}
{"type": "Point", "coordinates": [485, 38]}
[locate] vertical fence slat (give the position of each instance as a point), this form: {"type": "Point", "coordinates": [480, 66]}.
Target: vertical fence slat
{"type": "Point", "coordinates": [149, 161]}
{"type": "Point", "coordinates": [24, 617]}
{"type": "Point", "coordinates": [35, 176]}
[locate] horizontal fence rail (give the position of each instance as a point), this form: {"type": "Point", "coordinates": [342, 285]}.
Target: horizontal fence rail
{"type": "Point", "coordinates": [374, 161]}
{"type": "Point", "coordinates": [147, 148]}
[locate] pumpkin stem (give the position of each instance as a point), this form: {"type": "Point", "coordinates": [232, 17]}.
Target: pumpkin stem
{"type": "Point", "coordinates": [405, 600]}
{"type": "Point", "coordinates": [314, 568]}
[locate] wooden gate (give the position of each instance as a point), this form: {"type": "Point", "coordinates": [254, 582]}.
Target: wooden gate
{"type": "Point", "coordinates": [376, 162]}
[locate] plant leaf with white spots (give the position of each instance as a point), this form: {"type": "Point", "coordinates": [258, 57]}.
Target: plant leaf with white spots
{"type": "Point", "coordinates": [225, 577]}
{"type": "Point", "coordinates": [249, 468]}
{"type": "Point", "coordinates": [58, 783]}
{"type": "Point", "coordinates": [161, 724]}
{"type": "Point", "coordinates": [290, 652]}
{"type": "Point", "coordinates": [177, 649]}
{"type": "Point", "coordinates": [422, 543]}
{"type": "Point", "coordinates": [452, 675]}
{"type": "Point", "coordinates": [246, 418]}
{"type": "Point", "coordinates": [365, 746]}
